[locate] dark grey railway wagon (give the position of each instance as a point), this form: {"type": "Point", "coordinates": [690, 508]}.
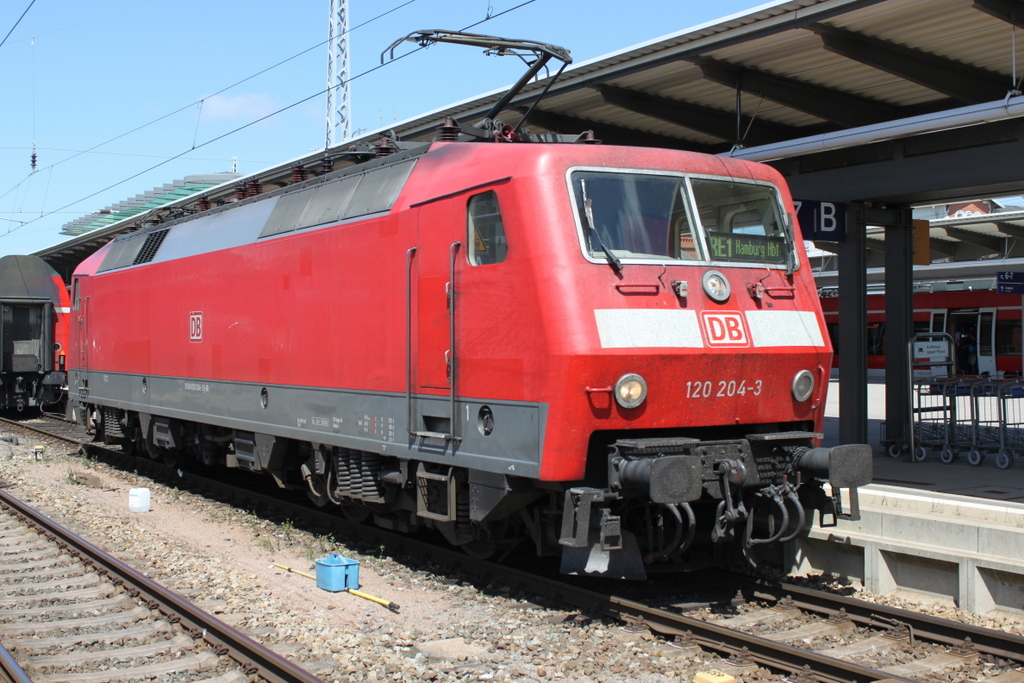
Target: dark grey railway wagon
{"type": "Point", "coordinates": [33, 332]}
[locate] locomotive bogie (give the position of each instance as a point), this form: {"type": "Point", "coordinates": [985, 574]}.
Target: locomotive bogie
{"type": "Point", "coordinates": [566, 344]}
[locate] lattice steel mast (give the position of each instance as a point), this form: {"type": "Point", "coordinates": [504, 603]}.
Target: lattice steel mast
{"type": "Point", "coordinates": [339, 125]}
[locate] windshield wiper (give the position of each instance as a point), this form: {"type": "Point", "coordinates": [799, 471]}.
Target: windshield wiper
{"type": "Point", "coordinates": [588, 209]}
{"type": "Point", "coordinates": [613, 260]}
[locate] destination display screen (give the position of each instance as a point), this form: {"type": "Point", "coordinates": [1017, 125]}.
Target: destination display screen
{"type": "Point", "coordinates": [732, 246]}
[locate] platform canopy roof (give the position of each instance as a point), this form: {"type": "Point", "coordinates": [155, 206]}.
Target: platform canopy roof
{"type": "Point", "coordinates": [906, 85]}
{"type": "Point", "coordinates": [783, 71]}
{"type": "Point", "coordinates": [142, 203]}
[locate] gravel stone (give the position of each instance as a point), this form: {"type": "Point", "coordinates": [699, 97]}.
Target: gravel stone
{"type": "Point", "coordinates": [223, 557]}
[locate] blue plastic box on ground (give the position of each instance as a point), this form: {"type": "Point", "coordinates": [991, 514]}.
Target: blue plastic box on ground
{"type": "Point", "coordinates": [335, 573]}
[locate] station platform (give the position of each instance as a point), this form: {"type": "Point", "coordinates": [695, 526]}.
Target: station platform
{"type": "Point", "coordinates": [952, 534]}
{"type": "Point", "coordinates": [958, 477]}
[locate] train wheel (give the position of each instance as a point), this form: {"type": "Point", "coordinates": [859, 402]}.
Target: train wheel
{"type": "Point", "coordinates": [483, 549]}
{"type": "Point", "coordinates": [920, 454]}
{"type": "Point", "coordinates": [947, 455]}
{"type": "Point", "coordinates": [975, 457]}
{"type": "Point", "coordinates": [895, 450]}
{"type": "Point", "coordinates": [1004, 459]}
{"type": "Point", "coordinates": [356, 514]}
{"type": "Point", "coordinates": [493, 540]}
{"type": "Point", "coordinates": [133, 445]}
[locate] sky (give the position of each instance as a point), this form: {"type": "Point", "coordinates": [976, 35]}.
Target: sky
{"type": "Point", "coordinates": [121, 96]}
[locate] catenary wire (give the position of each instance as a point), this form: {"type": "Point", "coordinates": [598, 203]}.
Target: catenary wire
{"type": "Point", "coordinates": [117, 154]}
{"type": "Point", "coordinates": [259, 120]}
{"type": "Point", "coordinates": [222, 90]}
{"type": "Point", "coordinates": [17, 22]}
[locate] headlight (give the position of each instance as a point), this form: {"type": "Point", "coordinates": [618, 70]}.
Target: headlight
{"type": "Point", "coordinates": [715, 285]}
{"type": "Point", "coordinates": [630, 390]}
{"type": "Point", "coordinates": [803, 385]}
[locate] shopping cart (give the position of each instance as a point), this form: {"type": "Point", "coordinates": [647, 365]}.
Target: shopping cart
{"type": "Point", "coordinates": [933, 401]}
{"type": "Point", "coordinates": [933, 416]}
{"type": "Point", "coordinates": [1011, 422]}
{"type": "Point", "coordinates": [985, 419]}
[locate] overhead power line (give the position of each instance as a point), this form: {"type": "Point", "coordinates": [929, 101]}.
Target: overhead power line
{"type": "Point", "coordinates": [17, 22]}
{"type": "Point", "coordinates": [262, 118]}
{"type": "Point", "coordinates": [199, 102]}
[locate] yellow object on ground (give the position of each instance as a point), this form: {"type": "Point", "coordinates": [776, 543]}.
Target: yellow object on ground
{"type": "Point", "coordinates": [294, 571]}
{"type": "Point", "coordinates": [359, 594]}
{"type": "Point", "coordinates": [713, 676]}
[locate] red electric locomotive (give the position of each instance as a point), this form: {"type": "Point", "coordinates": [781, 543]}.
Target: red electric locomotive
{"type": "Point", "coordinates": [611, 353]}
{"type": "Point", "coordinates": [33, 327]}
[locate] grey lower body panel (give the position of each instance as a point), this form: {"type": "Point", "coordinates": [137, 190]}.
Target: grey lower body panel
{"type": "Point", "coordinates": [361, 420]}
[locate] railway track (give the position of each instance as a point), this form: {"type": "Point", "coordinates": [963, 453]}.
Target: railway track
{"type": "Point", "coordinates": [73, 613]}
{"type": "Point", "coordinates": [803, 634]}
{"type": "Point", "coordinates": [48, 428]}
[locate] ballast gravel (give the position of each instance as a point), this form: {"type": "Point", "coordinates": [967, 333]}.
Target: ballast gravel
{"type": "Point", "coordinates": [223, 558]}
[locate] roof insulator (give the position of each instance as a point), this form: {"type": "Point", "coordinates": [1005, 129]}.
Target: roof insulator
{"type": "Point", "coordinates": [240, 192]}
{"type": "Point", "coordinates": [448, 131]}
{"type": "Point", "coordinates": [253, 188]}
{"type": "Point", "coordinates": [326, 165]}
{"type": "Point", "coordinates": [204, 203]}
{"type": "Point", "coordinates": [588, 138]}
{"type": "Point", "coordinates": [384, 148]}
{"type": "Point", "coordinates": [299, 174]}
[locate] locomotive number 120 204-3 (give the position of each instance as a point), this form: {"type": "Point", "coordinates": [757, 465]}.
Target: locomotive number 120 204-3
{"type": "Point", "coordinates": [723, 388]}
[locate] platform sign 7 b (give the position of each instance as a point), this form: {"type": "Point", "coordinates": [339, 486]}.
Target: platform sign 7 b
{"type": "Point", "coordinates": [821, 221]}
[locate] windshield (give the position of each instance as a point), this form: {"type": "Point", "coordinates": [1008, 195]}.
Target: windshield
{"type": "Point", "coordinates": [644, 216]}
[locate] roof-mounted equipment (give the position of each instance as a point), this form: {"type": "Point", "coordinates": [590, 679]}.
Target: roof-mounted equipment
{"type": "Point", "coordinates": [535, 55]}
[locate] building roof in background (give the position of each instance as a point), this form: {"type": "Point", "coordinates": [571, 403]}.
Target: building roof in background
{"type": "Point", "coordinates": [141, 203]}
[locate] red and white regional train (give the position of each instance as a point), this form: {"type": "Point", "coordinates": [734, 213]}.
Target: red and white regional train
{"type": "Point", "coordinates": [33, 333]}
{"type": "Point", "coordinates": [611, 353]}
{"type": "Point", "coordinates": [967, 309]}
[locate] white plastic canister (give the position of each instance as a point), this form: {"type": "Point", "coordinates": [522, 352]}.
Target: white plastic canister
{"type": "Point", "coordinates": [138, 500]}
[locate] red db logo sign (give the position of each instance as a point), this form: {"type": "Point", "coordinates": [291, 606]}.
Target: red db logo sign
{"type": "Point", "coordinates": [195, 326]}
{"type": "Point", "coordinates": [724, 329]}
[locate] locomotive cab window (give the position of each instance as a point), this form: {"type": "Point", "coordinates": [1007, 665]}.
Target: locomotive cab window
{"type": "Point", "coordinates": [486, 232]}
{"type": "Point", "coordinates": [656, 216]}
{"type": "Point", "coordinates": [635, 216]}
{"type": "Point", "coordinates": [742, 221]}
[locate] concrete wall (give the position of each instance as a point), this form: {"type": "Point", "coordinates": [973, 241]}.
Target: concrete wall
{"type": "Point", "coordinates": [964, 551]}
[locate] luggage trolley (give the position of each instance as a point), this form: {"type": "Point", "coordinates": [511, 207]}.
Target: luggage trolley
{"type": "Point", "coordinates": [933, 416]}
{"type": "Point", "coordinates": [986, 420]}
{"type": "Point", "coordinates": [1011, 422]}
{"type": "Point", "coordinates": [931, 411]}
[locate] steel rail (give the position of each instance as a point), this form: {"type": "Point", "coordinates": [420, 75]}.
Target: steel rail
{"type": "Point", "coordinates": [923, 626]}
{"type": "Point", "coordinates": [253, 657]}
{"type": "Point", "coordinates": [10, 670]}
{"type": "Point", "coordinates": [41, 432]}
{"type": "Point", "coordinates": [768, 653]}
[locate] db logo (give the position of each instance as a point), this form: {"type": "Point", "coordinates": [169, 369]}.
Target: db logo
{"type": "Point", "coordinates": [724, 329]}
{"type": "Point", "coordinates": [195, 326]}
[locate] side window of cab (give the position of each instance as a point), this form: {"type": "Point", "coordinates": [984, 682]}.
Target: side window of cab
{"type": "Point", "coordinates": [485, 230]}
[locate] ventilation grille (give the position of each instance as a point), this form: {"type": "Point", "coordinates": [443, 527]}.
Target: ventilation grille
{"type": "Point", "coordinates": [149, 248]}
{"type": "Point", "coordinates": [132, 249]}
{"type": "Point", "coordinates": [349, 197]}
